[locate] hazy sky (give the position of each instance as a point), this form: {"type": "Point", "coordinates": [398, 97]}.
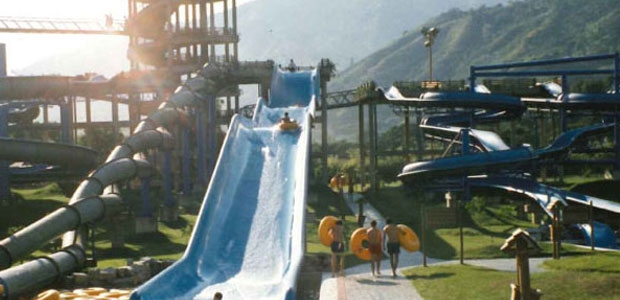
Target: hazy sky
{"type": "Point", "coordinates": [24, 49]}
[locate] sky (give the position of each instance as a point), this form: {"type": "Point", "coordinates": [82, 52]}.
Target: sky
{"type": "Point", "coordinates": [25, 49]}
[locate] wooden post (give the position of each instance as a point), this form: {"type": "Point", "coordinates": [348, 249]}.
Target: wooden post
{"type": "Point", "coordinates": [523, 269]}
{"type": "Point", "coordinates": [423, 228]}
{"type": "Point", "coordinates": [460, 221]}
{"type": "Point", "coordinates": [591, 220]}
{"type": "Point", "coordinates": [522, 245]}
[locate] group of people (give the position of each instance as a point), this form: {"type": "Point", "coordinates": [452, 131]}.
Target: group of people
{"type": "Point", "coordinates": [376, 240]}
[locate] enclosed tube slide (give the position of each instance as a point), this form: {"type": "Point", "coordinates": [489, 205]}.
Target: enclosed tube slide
{"type": "Point", "coordinates": [493, 156]}
{"type": "Point", "coordinates": [64, 155]}
{"type": "Point", "coordinates": [248, 239]}
{"type": "Point", "coordinates": [93, 199]}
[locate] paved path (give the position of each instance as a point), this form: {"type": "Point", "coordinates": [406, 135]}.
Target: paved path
{"type": "Point", "coordinates": [359, 284]}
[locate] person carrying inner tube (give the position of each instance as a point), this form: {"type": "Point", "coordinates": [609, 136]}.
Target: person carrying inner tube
{"type": "Point", "coordinates": [374, 247]}
{"type": "Point", "coordinates": [393, 245]}
{"type": "Point", "coordinates": [337, 247]}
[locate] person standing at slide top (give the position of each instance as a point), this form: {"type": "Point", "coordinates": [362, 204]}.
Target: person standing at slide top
{"type": "Point", "coordinates": [374, 247]}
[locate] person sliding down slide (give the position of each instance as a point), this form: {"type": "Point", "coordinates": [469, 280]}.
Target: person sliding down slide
{"type": "Point", "coordinates": [286, 123]}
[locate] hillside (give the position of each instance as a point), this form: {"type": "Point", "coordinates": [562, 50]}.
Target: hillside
{"type": "Point", "coordinates": [518, 31]}
{"type": "Point", "coordinates": [344, 31]}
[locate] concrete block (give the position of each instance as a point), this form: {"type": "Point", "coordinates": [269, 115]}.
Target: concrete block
{"type": "Point", "coordinates": [169, 213]}
{"type": "Point", "coordinates": [124, 271]}
{"type": "Point", "coordinates": [80, 279]}
{"type": "Point", "coordinates": [145, 225]}
{"type": "Point", "coordinates": [107, 274]}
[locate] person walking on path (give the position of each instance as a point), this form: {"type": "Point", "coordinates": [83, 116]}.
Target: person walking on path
{"type": "Point", "coordinates": [393, 245]}
{"type": "Point", "coordinates": [337, 247]}
{"type": "Point", "coordinates": [374, 247]}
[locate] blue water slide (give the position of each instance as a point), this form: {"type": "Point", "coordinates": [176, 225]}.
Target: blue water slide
{"type": "Point", "coordinates": [248, 240]}
{"type": "Point", "coordinates": [603, 235]}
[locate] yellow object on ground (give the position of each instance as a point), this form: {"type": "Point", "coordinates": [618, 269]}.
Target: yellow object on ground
{"type": "Point", "coordinates": [49, 295]}
{"type": "Point", "coordinates": [407, 238]}
{"type": "Point", "coordinates": [358, 245]}
{"type": "Point", "coordinates": [327, 223]}
{"type": "Point", "coordinates": [68, 295]}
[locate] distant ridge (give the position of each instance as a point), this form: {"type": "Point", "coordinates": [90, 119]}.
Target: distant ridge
{"type": "Point", "coordinates": [518, 31]}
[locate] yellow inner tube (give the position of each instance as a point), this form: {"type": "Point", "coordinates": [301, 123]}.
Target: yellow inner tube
{"type": "Point", "coordinates": [327, 223]}
{"type": "Point", "coordinates": [288, 125]}
{"type": "Point", "coordinates": [358, 239]}
{"type": "Point", "coordinates": [407, 238]}
{"type": "Point", "coordinates": [49, 295]}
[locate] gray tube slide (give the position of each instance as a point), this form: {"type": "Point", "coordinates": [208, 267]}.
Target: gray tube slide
{"type": "Point", "coordinates": [119, 165]}
{"type": "Point", "coordinates": [68, 156]}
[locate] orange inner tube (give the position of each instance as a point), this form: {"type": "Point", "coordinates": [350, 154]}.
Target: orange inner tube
{"type": "Point", "coordinates": [288, 125]}
{"type": "Point", "coordinates": [407, 238]}
{"type": "Point", "coordinates": [358, 239]}
{"type": "Point", "coordinates": [327, 223]}
{"type": "Point", "coordinates": [48, 295]}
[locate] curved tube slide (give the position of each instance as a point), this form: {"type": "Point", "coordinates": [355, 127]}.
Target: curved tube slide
{"type": "Point", "coordinates": [494, 156]}
{"type": "Point", "coordinates": [92, 199]}
{"type": "Point", "coordinates": [248, 239]}
{"type": "Point", "coordinates": [67, 156]}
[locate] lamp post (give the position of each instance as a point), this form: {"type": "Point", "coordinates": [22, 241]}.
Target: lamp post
{"type": "Point", "coordinates": [430, 34]}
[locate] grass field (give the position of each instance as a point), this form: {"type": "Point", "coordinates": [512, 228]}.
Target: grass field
{"type": "Point", "coordinates": [591, 276]}
{"type": "Point", "coordinates": [486, 226]}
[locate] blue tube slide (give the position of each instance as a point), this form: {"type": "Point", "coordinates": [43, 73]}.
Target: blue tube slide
{"type": "Point", "coordinates": [248, 241]}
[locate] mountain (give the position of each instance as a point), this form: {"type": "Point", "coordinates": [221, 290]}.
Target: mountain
{"type": "Point", "coordinates": [343, 31]}
{"type": "Point", "coordinates": [517, 31]}
{"type": "Point", "coordinates": [104, 55]}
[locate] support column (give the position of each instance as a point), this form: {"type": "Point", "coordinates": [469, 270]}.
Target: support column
{"type": "Point", "coordinates": [115, 124]}
{"type": "Point", "coordinates": [2, 60]}
{"type": "Point", "coordinates": [234, 28]}
{"type": "Point", "coordinates": [145, 222]}
{"type": "Point", "coordinates": [362, 145]}
{"type": "Point", "coordinates": [372, 132]}
{"type": "Point", "coordinates": [226, 31]}
{"type": "Point", "coordinates": [212, 28]}
{"type": "Point", "coordinates": [419, 137]}
{"type": "Point", "coordinates": [212, 149]}
{"type": "Point", "coordinates": [5, 177]}
{"type": "Point", "coordinates": [186, 163]}
{"type": "Point", "coordinates": [324, 176]}
{"type": "Point", "coordinates": [200, 141]}
{"type": "Point", "coordinates": [170, 211]}
{"type": "Point", "coordinates": [65, 122]}
{"type": "Point", "coordinates": [565, 91]}
{"type": "Point", "coordinates": [406, 137]}
{"type": "Point", "coordinates": [466, 193]}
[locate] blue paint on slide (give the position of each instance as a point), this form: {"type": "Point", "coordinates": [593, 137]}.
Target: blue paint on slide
{"type": "Point", "coordinates": [248, 239]}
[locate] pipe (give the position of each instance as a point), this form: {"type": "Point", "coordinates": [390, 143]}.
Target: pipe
{"type": "Point", "coordinates": [61, 220]}
{"type": "Point", "coordinates": [39, 273]}
{"type": "Point", "coordinates": [22, 280]}
{"type": "Point", "coordinates": [69, 156]}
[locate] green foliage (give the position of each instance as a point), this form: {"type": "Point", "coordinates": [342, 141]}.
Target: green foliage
{"type": "Point", "coordinates": [477, 205]}
{"type": "Point", "coordinates": [518, 31]}
{"type": "Point", "coordinates": [388, 168]}
{"type": "Point", "coordinates": [101, 139]}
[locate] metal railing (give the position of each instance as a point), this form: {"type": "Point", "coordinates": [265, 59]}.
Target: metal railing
{"type": "Point", "coordinates": [70, 26]}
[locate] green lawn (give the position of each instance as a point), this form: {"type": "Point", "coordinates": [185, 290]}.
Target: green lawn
{"type": "Point", "coordinates": [328, 203]}
{"type": "Point", "coordinates": [592, 276]}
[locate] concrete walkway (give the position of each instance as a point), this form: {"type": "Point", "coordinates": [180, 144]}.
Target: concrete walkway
{"type": "Point", "coordinates": [359, 284]}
